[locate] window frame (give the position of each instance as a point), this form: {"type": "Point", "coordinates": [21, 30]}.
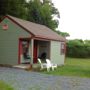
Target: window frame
{"type": "Point", "coordinates": [62, 49]}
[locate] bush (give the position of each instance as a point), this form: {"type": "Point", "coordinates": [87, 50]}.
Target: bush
{"type": "Point", "coordinates": [78, 49]}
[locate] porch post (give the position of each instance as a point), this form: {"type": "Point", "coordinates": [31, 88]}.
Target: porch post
{"type": "Point", "coordinates": [32, 42]}
{"type": "Point", "coordinates": [50, 50]}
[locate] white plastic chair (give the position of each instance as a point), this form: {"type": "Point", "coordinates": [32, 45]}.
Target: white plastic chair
{"type": "Point", "coordinates": [50, 65]}
{"type": "Point", "coordinates": [43, 65]}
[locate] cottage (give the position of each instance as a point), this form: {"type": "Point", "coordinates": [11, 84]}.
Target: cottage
{"type": "Point", "coordinates": [22, 42]}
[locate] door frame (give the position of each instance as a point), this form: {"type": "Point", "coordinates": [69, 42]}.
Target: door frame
{"type": "Point", "coordinates": [35, 51]}
{"type": "Point", "coordinates": [20, 48]}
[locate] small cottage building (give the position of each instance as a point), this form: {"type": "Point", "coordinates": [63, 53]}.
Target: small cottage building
{"type": "Point", "coordinates": [22, 42]}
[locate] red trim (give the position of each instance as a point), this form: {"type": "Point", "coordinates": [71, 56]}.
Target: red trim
{"type": "Point", "coordinates": [19, 24]}
{"type": "Point", "coordinates": [16, 23]}
{"type": "Point", "coordinates": [39, 37]}
{"type": "Point", "coordinates": [2, 19]}
{"type": "Point", "coordinates": [20, 48]}
{"type": "Point", "coordinates": [65, 52]}
{"type": "Point", "coordinates": [22, 38]}
{"type": "Point", "coordinates": [46, 39]}
{"type": "Point", "coordinates": [19, 51]}
{"type": "Point", "coordinates": [35, 52]}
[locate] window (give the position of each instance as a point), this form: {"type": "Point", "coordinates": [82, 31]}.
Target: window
{"type": "Point", "coordinates": [62, 48]}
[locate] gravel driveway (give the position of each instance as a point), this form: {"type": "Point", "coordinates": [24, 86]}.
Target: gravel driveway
{"type": "Point", "coordinates": [26, 80]}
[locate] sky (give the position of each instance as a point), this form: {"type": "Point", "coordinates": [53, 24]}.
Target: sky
{"type": "Point", "coordinates": [74, 18]}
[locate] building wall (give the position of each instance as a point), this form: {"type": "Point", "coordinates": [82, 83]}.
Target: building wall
{"type": "Point", "coordinates": [9, 41]}
{"type": "Point", "coordinates": [56, 56]}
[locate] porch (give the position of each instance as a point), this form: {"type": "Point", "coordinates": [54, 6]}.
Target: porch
{"type": "Point", "coordinates": [31, 49]}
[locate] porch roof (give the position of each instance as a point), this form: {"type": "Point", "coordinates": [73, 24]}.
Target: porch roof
{"type": "Point", "coordinates": [37, 30]}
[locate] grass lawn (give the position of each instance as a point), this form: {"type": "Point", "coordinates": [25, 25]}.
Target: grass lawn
{"type": "Point", "coordinates": [73, 67]}
{"type": "Point", "coordinates": [4, 86]}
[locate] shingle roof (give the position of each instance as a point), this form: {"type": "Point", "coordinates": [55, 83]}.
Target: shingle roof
{"type": "Point", "coordinates": [37, 30]}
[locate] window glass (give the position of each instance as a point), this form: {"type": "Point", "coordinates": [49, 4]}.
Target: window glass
{"type": "Point", "coordinates": [62, 48]}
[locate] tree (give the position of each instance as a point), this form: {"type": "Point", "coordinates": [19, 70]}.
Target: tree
{"type": "Point", "coordinates": [15, 8]}
{"type": "Point", "coordinates": [78, 48]}
{"type": "Point", "coordinates": [3, 7]}
{"type": "Point", "coordinates": [38, 11]}
{"type": "Point", "coordinates": [64, 34]}
{"type": "Point", "coordinates": [87, 42]}
{"type": "Point", "coordinates": [42, 12]}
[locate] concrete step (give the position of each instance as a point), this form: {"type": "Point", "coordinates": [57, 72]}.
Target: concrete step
{"type": "Point", "coordinates": [22, 66]}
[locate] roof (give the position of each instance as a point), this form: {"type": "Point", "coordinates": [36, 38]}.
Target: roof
{"type": "Point", "coordinates": [37, 30]}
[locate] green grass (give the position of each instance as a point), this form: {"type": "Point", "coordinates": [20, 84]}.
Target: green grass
{"type": "Point", "coordinates": [4, 86]}
{"type": "Point", "coordinates": [73, 67]}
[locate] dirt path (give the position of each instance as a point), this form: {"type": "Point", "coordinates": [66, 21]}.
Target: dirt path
{"type": "Point", "coordinates": [24, 80]}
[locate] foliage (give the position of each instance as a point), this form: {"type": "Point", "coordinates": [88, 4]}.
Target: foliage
{"type": "Point", "coordinates": [4, 86]}
{"type": "Point", "coordinates": [78, 48]}
{"type": "Point", "coordinates": [38, 11]}
{"type": "Point", "coordinates": [15, 8]}
{"type": "Point", "coordinates": [43, 13]}
{"type": "Point", "coordinates": [73, 67]}
{"type": "Point", "coordinates": [64, 34]}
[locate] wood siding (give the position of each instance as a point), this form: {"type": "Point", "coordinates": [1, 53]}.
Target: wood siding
{"type": "Point", "coordinates": [56, 56]}
{"type": "Point", "coordinates": [9, 41]}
